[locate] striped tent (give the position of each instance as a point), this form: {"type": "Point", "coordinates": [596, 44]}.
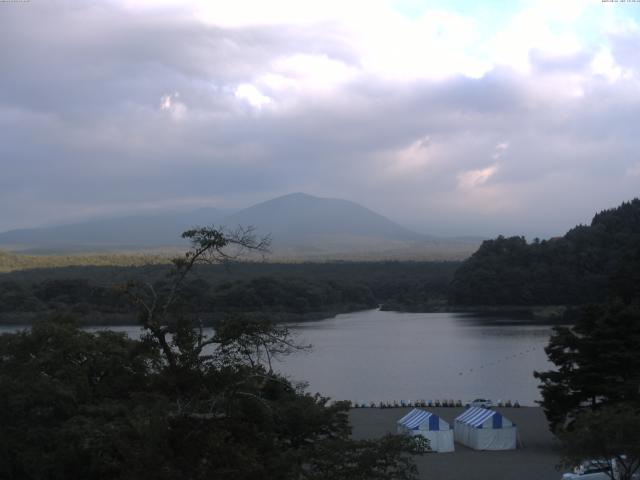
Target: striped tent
{"type": "Point", "coordinates": [430, 426]}
{"type": "Point", "coordinates": [484, 429]}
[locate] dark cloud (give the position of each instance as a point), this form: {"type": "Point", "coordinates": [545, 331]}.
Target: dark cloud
{"type": "Point", "coordinates": [103, 109]}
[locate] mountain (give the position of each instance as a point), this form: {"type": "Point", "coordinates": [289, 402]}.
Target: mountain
{"type": "Point", "coordinates": [111, 233]}
{"type": "Point", "coordinates": [300, 217]}
{"type": "Point", "coordinates": [305, 227]}
{"type": "Point", "coordinates": [302, 227]}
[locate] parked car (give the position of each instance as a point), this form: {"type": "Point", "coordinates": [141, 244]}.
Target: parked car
{"type": "Point", "coordinates": [596, 470]}
{"type": "Point", "coordinates": [589, 470]}
{"type": "Point", "coordinates": [481, 402]}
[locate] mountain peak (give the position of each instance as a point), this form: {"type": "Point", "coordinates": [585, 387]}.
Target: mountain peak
{"type": "Point", "coordinates": [300, 215]}
{"type": "Point", "coordinates": [294, 197]}
{"type": "Point", "coordinates": [296, 220]}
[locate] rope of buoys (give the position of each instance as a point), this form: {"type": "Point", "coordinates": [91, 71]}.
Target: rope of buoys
{"type": "Point", "coordinates": [500, 360]}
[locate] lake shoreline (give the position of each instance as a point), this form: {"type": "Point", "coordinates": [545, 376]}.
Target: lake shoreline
{"type": "Point", "coordinates": [119, 319]}
{"type": "Point", "coordinates": [542, 313]}
{"type": "Point", "coordinates": [496, 315]}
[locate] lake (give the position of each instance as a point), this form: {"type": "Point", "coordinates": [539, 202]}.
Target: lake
{"type": "Point", "coordinates": [383, 356]}
{"type": "Point", "coordinates": [375, 355]}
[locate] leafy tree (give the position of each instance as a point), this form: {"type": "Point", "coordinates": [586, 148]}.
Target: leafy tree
{"type": "Point", "coordinates": [597, 363]}
{"type": "Point", "coordinates": [67, 398]}
{"type": "Point", "coordinates": [610, 437]}
{"type": "Point", "coordinates": [159, 311]}
{"type": "Point", "coordinates": [366, 459]}
{"type": "Point", "coordinates": [178, 403]}
{"type": "Point", "coordinates": [592, 399]}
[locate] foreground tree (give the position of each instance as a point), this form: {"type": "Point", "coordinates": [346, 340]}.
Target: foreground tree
{"type": "Point", "coordinates": [609, 437]}
{"type": "Point", "coordinates": [592, 399]}
{"type": "Point", "coordinates": [159, 306]}
{"type": "Point", "coordinates": [177, 403]}
{"type": "Point", "coordinates": [597, 364]}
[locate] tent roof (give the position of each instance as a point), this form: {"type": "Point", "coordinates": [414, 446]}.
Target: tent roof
{"type": "Point", "coordinates": [476, 416]}
{"type": "Point", "coordinates": [417, 417]}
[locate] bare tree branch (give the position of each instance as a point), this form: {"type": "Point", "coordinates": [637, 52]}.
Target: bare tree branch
{"type": "Point", "coordinates": [208, 246]}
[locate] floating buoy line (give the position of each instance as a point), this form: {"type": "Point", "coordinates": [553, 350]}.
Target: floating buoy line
{"type": "Point", "coordinates": [446, 402]}
{"type": "Point", "coordinates": [498, 361]}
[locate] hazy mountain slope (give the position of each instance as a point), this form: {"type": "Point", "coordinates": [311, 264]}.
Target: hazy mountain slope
{"type": "Point", "coordinates": [299, 217]}
{"type": "Point", "coordinates": [135, 231]}
{"type": "Point", "coordinates": [302, 227]}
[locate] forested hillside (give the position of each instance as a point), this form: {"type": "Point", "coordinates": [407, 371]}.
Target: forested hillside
{"type": "Point", "coordinates": [588, 264]}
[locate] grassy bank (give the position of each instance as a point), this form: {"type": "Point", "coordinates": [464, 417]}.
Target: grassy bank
{"type": "Point", "coordinates": [13, 262]}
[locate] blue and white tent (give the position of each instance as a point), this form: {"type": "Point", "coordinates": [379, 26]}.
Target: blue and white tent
{"type": "Point", "coordinates": [484, 429]}
{"type": "Point", "coordinates": [430, 426]}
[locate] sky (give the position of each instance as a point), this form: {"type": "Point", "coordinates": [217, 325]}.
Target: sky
{"type": "Point", "coordinates": [450, 117]}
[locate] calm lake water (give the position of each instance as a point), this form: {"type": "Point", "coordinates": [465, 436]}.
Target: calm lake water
{"type": "Point", "coordinates": [374, 355]}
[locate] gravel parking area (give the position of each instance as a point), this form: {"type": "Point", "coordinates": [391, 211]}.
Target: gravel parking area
{"type": "Point", "coordinates": [535, 459]}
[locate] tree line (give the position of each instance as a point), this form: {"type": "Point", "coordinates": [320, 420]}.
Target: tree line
{"type": "Point", "coordinates": [592, 395]}
{"type": "Point", "coordinates": [587, 265]}
{"type": "Point", "coordinates": [282, 291]}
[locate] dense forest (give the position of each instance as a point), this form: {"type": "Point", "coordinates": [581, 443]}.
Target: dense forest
{"type": "Point", "coordinates": [291, 291]}
{"type": "Point", "coordinates": [78, 405]}
{"type": "Point", "coordinates": [588, 265]}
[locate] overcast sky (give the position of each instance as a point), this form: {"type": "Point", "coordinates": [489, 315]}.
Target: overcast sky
{"type": "Point", "coordinates": [450, 117]}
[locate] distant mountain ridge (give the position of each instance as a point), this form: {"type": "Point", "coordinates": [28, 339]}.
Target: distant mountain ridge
{"type": "Point", "coordinates": [301, 226]}
{"type": "Point", "coordinates": [141, 231]}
